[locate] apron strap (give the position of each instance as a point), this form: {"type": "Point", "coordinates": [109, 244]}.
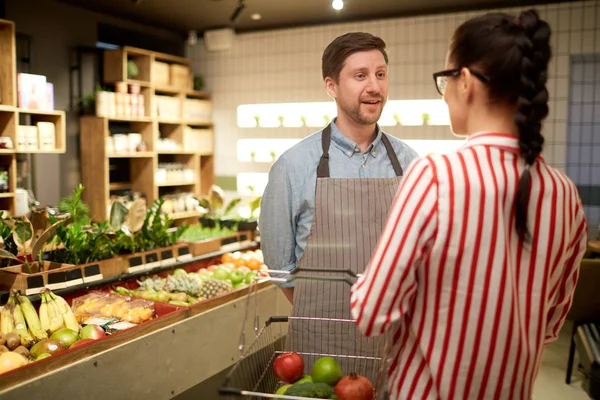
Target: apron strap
{"type": "Point", "coordinates": [392, 154]}
{"type": "Point", "coordinates": [323, 168]}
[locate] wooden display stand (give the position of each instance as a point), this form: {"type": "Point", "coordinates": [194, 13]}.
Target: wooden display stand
{"type": "Point", "coordinates": [13, 118]}
{"type": "Point", "coordinates": [172, 110]}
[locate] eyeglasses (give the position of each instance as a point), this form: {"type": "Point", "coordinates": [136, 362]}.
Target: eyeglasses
{"type": "Point", "coordinates": [441, 78]}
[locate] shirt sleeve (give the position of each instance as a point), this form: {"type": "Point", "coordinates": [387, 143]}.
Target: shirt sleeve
{"type": "Point", "coordinates": [566, 286]}
{"type": "Point", "coordinates": [277, 222]}
{"type": "Point", "coordinates": [384, 293]}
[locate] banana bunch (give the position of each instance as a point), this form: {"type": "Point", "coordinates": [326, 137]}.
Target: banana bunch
{"type": "Point", "coordinates": [19, 315]}
{"type": "Point", "coordinates": [55, 313]}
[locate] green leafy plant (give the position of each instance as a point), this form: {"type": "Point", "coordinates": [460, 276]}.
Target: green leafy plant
{"type": "Point", "coordinates": [426, 118]}
{"type": "Point", "coordinates": [196, 233]}
{"type": "Point", "coordinates": [254, 205]}
{"type": "Point", "coordinates": [198, 82]}
{"type": "Point", "coordinates": [214, 203]}
{"type": "Point", "coordinates": [30, 245]}
{"type": "Point", "coordinates": [132, 69]}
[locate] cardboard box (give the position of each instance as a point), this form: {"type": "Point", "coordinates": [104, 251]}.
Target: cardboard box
{"type": "Point", "coordinates": [46, 135]}
{"type": "Point", "coordinates": [197, 111]}
{"type": "Point", "coordinates": [180, 76]}
{"type": "Point", "coordinates": [161, 74]}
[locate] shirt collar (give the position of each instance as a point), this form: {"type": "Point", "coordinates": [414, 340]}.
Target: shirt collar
{"type": "Point", "coordinates": [348, 146]}
{"type": "Point", "coordinates": [506, 141]}
{"type": "Point", "coordinates": [501, 140]}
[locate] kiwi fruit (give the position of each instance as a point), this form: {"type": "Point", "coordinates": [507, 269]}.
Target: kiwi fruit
{"type": "Point", "coordinates": [13, 341]}
{"type": "Point", "coordinates": [3, 349]}
{"type": "Point", "coordinates": [22, 350]}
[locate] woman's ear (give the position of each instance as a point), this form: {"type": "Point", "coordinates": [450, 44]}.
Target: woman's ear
{"type": "Point", "coordinates": [331, 87]}
{"type": "Point", "coordinates": [466, 84]}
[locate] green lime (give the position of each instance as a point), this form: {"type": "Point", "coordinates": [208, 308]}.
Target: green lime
{"type": "Point", "coordinates": [326, 370]}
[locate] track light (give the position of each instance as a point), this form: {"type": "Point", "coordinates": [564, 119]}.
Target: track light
{"type": "Point", "coordinates": [337, 4]}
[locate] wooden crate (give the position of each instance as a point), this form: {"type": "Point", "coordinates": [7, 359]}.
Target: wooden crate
{"type": "Point", "coordinates": [215, 244]}
{"type": "Point", "coordinates": [43, 274]}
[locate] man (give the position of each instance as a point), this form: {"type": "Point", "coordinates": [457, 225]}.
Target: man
{"type": "Point", "coordinates": [328, 197]}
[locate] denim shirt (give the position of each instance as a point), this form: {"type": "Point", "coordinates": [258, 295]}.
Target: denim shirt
{"type": "Point", "coordinates": [288, 202]}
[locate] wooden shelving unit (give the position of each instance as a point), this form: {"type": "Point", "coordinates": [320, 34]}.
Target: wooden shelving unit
{"type": "Point", "coordinates": [172, 111]}
{"type": "Point", "coordinates": [12, 116]}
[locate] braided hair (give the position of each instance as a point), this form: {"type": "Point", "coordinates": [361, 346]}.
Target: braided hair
{"type": "Point", "coordinates": [514, 51]}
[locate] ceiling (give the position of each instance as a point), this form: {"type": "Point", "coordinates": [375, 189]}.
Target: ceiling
{"type": "Point", "coordinates": [200, 15]}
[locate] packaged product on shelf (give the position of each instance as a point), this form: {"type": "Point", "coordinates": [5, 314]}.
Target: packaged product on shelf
{"type": "Point", "coordinates": [111, 307]}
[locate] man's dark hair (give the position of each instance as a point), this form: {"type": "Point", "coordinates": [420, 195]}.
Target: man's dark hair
{"type": "Point", "coordinates": [343, 46]}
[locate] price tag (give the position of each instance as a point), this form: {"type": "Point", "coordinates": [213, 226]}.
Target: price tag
{"type": "Point", "coordinates": [136, 264]}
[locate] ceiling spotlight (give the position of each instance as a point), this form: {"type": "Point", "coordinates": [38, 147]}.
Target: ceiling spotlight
{"type": "Point", "coordinates": [256, 16]}
{"type": "Point", "coordinates": [337, 4]}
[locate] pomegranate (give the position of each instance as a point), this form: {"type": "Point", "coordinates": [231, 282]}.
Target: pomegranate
{"type": "Point", "coordinates": [354, 387]}
{"type": "Point", "coordinates": [288, 367]}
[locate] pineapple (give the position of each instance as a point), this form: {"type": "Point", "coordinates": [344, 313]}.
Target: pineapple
{"type": "Point", "coordinates": [182, 284]}
{"type": "Point", "coordinates": [212, 287]}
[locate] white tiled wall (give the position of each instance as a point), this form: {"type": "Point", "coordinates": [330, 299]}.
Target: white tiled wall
{"type": "Point", "coordinates": [285, 66]}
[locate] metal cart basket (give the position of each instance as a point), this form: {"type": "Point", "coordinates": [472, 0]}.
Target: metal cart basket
{"type": "Point", "coordinates": [253, 376]}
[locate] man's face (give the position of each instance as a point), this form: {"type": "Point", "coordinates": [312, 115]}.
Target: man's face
{"type": "Point", "coordinates": [362, 88]}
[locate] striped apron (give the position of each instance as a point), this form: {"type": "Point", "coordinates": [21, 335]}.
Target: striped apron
{"type": "Point", "coordinates": [349, 217]}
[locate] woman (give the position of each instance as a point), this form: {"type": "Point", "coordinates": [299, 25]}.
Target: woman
{"type": "Point", "coordinates": [479, 258]}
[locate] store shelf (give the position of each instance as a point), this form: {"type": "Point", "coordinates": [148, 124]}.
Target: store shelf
{"type": "Point", "coordinates": [176, 152]}
{"type": "Point", "coordinates": [141, 154]}
{"type": "Point", "coordinates": [40, 112]}
{"type": "Point", "coordinates": [6, 195]}
{"type": "Point", "coordinates": [187, 214]}
{"type": "Point", "coordinates": [119, 185]}
{"type": "Point", "coordinates": [136, 82]}
{"type": "Point", "coordinates": [197, 94]}
{"type": "Point", "coordinates": [168, 90]}
{"type": "Point", "coordinates": [98, 164]}
{"type": "Point", "coordinates": [129, 119]}
{"type": "Point", "coordinates": [169, 184]}
{"type": "Point", "coordinates": [204, 124]}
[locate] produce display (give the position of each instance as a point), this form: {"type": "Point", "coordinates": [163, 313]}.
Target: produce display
{"type": "Point", "coordinates": [27, 335]}
{"type": "Point", "coordinates": [184, 288]}
{"type": "Point", "coordinates": [326, 379]}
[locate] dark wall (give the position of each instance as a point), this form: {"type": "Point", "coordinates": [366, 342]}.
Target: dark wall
{"type": "Point", "coordinates": [56, 28]}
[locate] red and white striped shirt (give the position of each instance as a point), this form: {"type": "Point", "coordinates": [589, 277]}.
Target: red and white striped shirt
{"type": "Point", "coordinates": [470, 308]}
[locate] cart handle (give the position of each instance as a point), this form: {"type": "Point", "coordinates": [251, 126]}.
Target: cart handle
{"type": "Point", "coordinates": [350, 279]}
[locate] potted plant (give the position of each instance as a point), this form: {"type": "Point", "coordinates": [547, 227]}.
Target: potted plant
{"type": "Point", "coordinates": [217, 212]}
{"type": "Point", "coordinates": [273, 154]}
{"type": "Point", "coordinates": [251, 223]}
{"type": "Point", "coordinates": [281, 119]}
{"type": "Point", "coordinates": [398, 119]}
{"type": "Point", "coordinates": [257, 119]}
{"type": "Point", "coordinates": [252, 155]}
{"type": "Point", "coordinates": [425, 117]}
{"type": "Point", "coordinates": [198, 82]}
{"type": "Point", "coordinates": [304, 120]}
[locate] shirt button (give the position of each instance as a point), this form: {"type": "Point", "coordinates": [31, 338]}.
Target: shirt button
{"type": "Point", "coordinates": [363, 165]}
{"type": "Point", "coordinates": [356, 149]}
{"type": "Point", "coordinates": [349, 153]}
{"type": "Point", "coordinates": [374, 153]}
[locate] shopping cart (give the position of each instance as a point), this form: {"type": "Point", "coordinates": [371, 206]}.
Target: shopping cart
{"type": "Point", "coordinates": [253, 375]}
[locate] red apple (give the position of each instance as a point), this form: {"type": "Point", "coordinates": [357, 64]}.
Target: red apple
{"type": "Point", "coordinates": [92, 332]}
{"type": "Point", "coordinates": [288, 367]}
{"type": "Point", "coordinates": [81, 342]}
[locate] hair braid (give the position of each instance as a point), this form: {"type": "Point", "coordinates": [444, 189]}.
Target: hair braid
{"type": "Point", "coordinates": [532, 103]}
